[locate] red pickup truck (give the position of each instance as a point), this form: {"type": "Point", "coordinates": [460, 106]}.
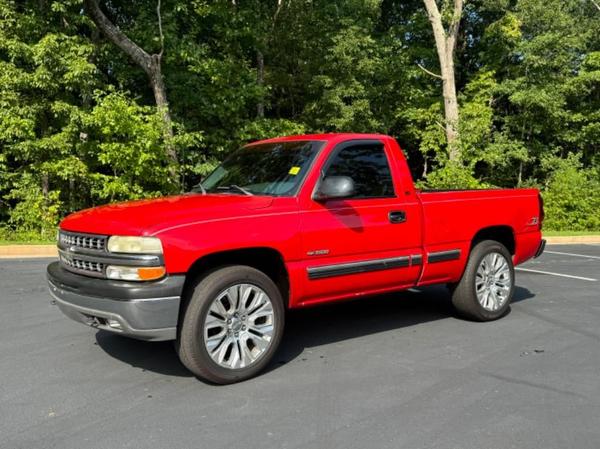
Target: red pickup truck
{"type": "Point", "coordinates": [281, 224]}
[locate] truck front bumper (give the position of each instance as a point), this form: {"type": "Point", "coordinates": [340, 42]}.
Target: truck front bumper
{"type": "Point", "coordinates": [142, 310]}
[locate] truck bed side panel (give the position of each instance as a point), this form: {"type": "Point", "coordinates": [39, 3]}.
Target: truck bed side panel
{"type": "Point", "coordinates": [453, 218]}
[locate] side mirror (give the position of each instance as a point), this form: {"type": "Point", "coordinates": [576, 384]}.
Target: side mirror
{"type": "Point", "coordinates": [333, 187]}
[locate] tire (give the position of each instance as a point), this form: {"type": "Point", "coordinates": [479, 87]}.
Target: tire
{"type": "Point", "coordinates": [487, 285]}
{"type": "Point", "coordinates": [222, 343]}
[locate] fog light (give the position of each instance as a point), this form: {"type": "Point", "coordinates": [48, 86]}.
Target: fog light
{"type": "Point", "coordinates": [122, 273]}
{"type": "Point", "coordinates": [114, 324]}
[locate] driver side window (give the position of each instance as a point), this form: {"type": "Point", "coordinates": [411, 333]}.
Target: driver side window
{"type": "Point", "coordinates": [368, 167]}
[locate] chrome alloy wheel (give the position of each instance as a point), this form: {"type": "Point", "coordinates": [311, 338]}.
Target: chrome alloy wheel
{"type": "Point", "coordinates": [493, 281]}
{"type": "Point", "coordinates": [239, 326]}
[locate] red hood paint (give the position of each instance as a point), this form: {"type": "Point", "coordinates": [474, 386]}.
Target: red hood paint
{"type": "Point", "coordinates": [148, 217]}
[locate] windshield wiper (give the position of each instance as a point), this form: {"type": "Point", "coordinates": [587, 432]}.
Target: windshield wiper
{"type": "Point", "coordinates": [237, 188]}
{"type": "Point", "coordinates": [200, 187]}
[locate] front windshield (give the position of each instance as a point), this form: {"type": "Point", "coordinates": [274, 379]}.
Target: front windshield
{"type": "Point", "coordinates": [264, 169]}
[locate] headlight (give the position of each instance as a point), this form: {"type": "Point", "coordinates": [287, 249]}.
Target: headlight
{"type": "Point", "coordinates": [122, 273]}
{"type": "Point", "coordinates": [137, 245]}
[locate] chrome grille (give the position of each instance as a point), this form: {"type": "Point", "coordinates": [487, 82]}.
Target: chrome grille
{"type": "Point", "coordinates": [77, 252]}
{"type": "Point", "coordinates": [82, 265]}
{"type": "Point", "coordinates": [83, 241]}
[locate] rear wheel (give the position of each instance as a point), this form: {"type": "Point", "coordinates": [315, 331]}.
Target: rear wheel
{"type": "Point", "coordinates": [232, 325]}
{"type": "Point", "coordinates": [486, 287]}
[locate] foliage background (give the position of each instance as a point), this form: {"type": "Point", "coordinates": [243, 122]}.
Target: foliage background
{"type": "Point", "coordinates": [78, 125]}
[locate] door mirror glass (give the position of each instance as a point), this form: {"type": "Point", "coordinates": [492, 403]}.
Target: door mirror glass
{"type": "Point", "coordinates": [333, 187]}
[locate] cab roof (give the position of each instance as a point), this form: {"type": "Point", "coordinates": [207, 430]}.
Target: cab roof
{"type": "Point", "coordinates": [326, 137]}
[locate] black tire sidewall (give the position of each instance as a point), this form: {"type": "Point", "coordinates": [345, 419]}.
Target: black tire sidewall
{"type": "Point", "coordinates": [196, 356]}
{"type": "Point", "coordinates": [468, 303]}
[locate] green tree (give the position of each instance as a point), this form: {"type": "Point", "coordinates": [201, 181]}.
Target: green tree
{"type": "Point", "coordinates": [81, 123]}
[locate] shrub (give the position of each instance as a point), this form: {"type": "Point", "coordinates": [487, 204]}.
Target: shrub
{"type": "Point", "coordinates": [572, 196]}
{"type": "Point", "coordinates": [451, 176]}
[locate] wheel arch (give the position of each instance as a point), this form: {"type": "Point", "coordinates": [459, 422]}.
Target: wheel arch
{"type": "Point", "coordinates": [265, 259]}
{"type": "Point", "coordinates": [503, 234]}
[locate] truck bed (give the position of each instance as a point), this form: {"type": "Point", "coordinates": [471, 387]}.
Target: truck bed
{"type": "Point", "coordinates": [452, 217]}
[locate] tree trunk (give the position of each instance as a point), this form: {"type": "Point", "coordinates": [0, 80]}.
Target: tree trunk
{"type": "Point", "coordinates": [45, 187]}
{"type": "Point", "coordinates": [260, 80]}
{"type": "Point", "coordinates": [445, 42]}
{"type": "Point", "coordinates": [160, 97]}
{"type": "Point", "coordinates": [151, 64]}
{"type": "Point", "coordinates": [451, 111]}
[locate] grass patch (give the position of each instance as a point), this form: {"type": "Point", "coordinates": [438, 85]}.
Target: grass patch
{"type": "Point", "coordinates": [11, 237]}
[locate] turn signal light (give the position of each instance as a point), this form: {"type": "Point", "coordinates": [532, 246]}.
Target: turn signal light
{"type": "Point", "coordinates": [149, 273]}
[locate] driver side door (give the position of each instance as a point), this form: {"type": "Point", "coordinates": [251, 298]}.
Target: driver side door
{"type": "Point", "coordinates": [363, 243]}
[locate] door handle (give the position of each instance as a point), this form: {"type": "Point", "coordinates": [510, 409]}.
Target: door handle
{"type": "Point", "coordinates": [397, 216]}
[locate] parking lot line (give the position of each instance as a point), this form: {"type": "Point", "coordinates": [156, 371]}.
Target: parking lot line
{"type": "Point", "coordinates": [571, 254]}
{"type": "Point", "coordinates": [581, 278]}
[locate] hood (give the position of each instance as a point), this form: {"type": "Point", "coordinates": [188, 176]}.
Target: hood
{"type": "Point", "coordinates": [149, 217]}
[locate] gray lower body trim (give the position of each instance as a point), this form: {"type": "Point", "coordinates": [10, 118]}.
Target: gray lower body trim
{"type": "Point", "coordinates": [171, 285]}
{"type": "Point", "coordinates": [152, 319]}
{"type": "Point", "coordinates": [366, 266]}
{"type": "Point", "coordinates": [443, 256]}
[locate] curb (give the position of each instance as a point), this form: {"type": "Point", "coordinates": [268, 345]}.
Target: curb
{"type": "Point", "coordinates": [566, 239]}
{"type": "Point", "coordinates": [27, 251]}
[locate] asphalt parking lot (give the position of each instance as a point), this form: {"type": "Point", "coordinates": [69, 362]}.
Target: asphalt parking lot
{"type": "Point", "coordinates": [399, 371]}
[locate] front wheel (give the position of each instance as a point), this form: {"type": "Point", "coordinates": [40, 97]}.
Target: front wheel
{"type": "Point", "coordinates": [232, 325]}
{"type": "Point", "coordinates": [486, 287]}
